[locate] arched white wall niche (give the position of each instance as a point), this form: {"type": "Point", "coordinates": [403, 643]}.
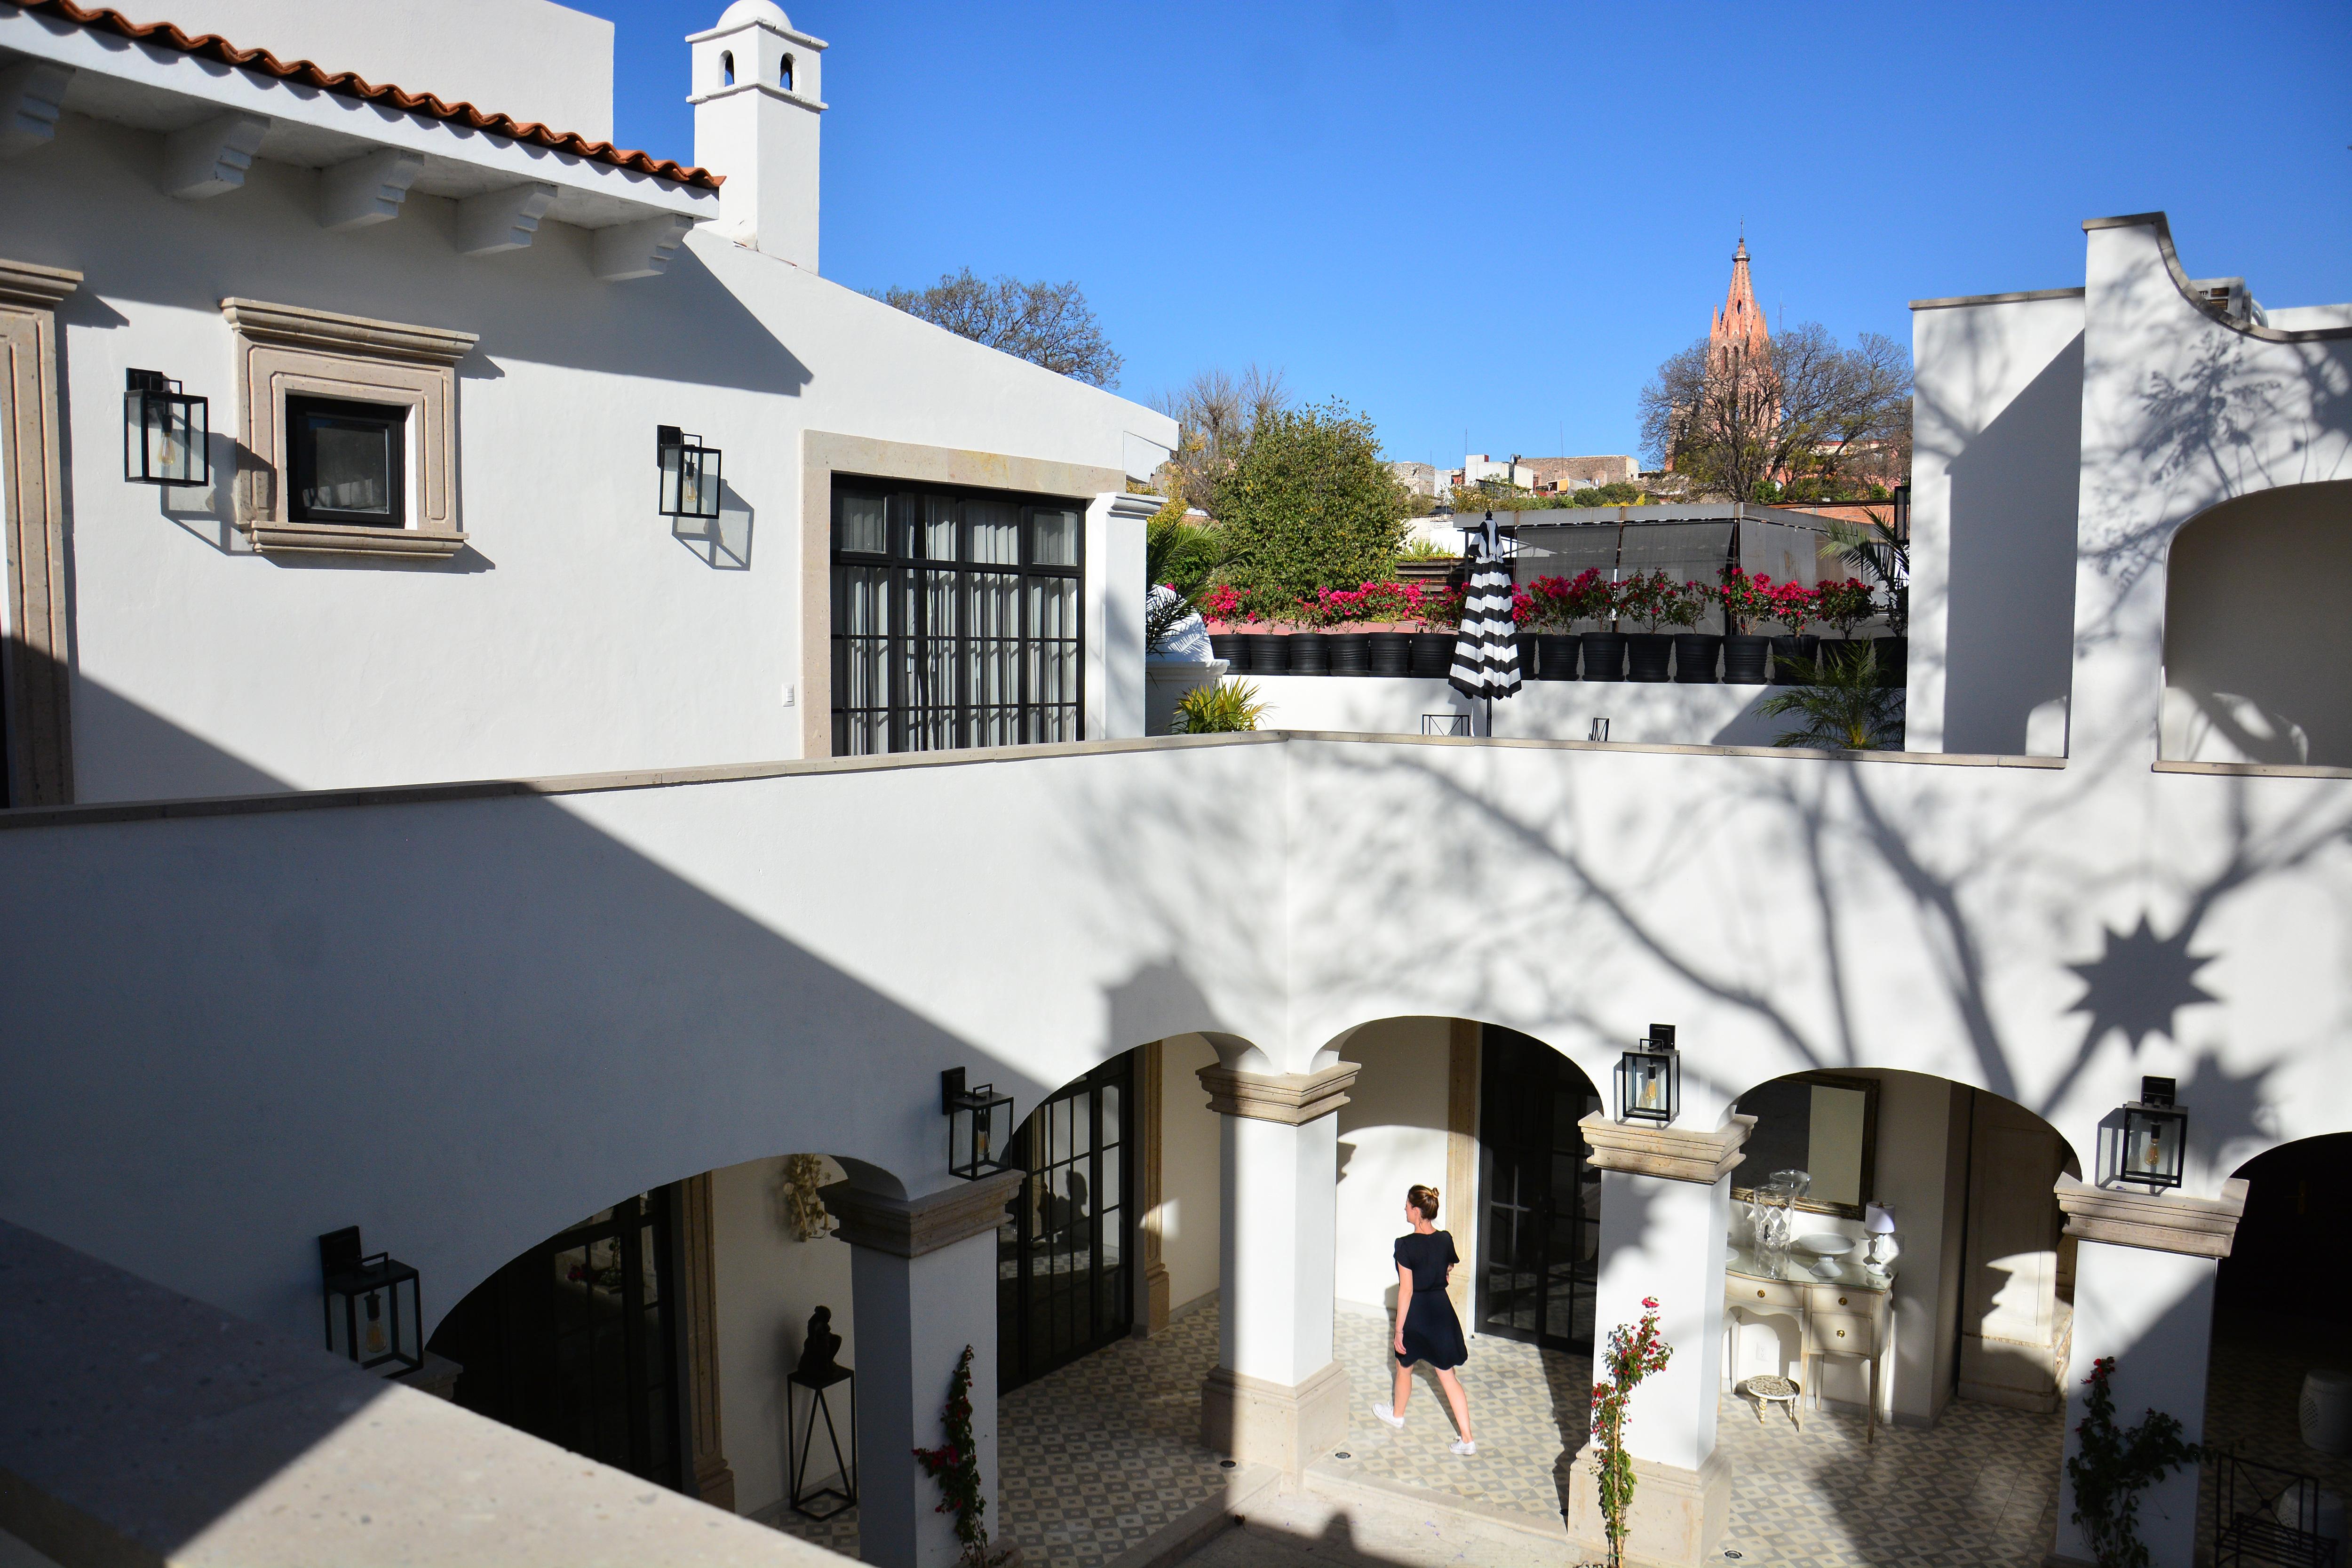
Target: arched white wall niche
{"type": "Point", "coordinates": [2255, 642]}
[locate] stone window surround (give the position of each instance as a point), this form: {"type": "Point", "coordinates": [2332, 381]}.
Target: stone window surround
{"type": "Point", "coordinates": [39, 760]}
{"type": "Point", "coordinates": [291, 349]}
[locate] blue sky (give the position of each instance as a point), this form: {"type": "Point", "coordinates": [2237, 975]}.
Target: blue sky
{"type": "Point", "coordinates": [1499, 218]}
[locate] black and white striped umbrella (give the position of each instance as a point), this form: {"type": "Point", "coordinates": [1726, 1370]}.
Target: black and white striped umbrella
{"type": "Point", "coordinates": [1486, 651]}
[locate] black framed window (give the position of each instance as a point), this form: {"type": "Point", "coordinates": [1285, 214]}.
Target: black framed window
{"type": "Point", "coordinates": [955, 618]}
{"type": "Point", "coordinates": [346, 462]}
{"type": "Point", "coordinates": [1539, 1236]}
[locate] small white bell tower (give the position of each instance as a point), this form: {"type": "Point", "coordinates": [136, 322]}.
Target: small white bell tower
{"type": "Point", "coordinates": [757, 100]}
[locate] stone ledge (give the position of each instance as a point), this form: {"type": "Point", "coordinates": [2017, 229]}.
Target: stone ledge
{"type": "Point", "coordinates": [910, 1228]}
{"type": "Point", "coordinates": [1677, 1153]}
{"type": "Point", "coordinates": [141, 1426]}
{"type": "Point", "coordinates": [2198, 1228]}
{"type": "Point", "coordinates": [1292, 1098]}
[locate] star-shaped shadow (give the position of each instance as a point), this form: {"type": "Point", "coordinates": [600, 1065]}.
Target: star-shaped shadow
{"type": "Point", "coordinates": [2139, 982]}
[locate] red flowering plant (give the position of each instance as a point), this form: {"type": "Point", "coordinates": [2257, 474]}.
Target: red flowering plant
{"type": "Point", "coordinates": [1594, 598]}
{"type": "Point", "coordinates": [1635, 1351]}
{"type": "Point", "coordinates": [955, 1464]}
{"type": "Point", "coordinates": [2112, 1464]}
{"type": "Point", "coordinates": [1523, 609]}
{"type": "Point", "coordinates": [1846, 604]}
{"type": "Point", "coordinates": [1743, 600]}
{"type": "Point", "coordinates": [1441, 608]}
{"type": "Point", "coordinates": [1227, 604]}
{"type": "Point", "coordinates": [1792, 604]}
{"type": "Point", "coordinates": [1648, 597]}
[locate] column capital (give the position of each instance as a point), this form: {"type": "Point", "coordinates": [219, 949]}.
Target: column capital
{"type": "Point", "coordinates": [2199, 1227]}
{"type": "Point", "coordinates": [1677, 1153]}
{"type": "Point", "coordinates": [910, 1227]}
{"type": "Point", "coordinates": [1292, 1098]}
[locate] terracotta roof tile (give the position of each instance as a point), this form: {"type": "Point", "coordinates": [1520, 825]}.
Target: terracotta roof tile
{"type": "Point", "coordinates": [345, 84]}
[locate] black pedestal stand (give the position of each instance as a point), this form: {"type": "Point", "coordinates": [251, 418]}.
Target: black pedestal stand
{"type": "Point", "coordinates": [800, 1439]}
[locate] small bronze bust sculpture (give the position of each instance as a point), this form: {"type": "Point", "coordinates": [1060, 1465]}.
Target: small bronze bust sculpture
{"type": "Point", "coordinates": [817, 1367]}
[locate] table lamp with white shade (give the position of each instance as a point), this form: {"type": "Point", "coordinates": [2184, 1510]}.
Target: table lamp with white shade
{"type": "Point", "coordinates": [1885, 1245]}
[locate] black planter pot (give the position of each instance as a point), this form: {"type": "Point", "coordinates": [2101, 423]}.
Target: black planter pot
{"type": "Point", "coordinates": [1433, 654]}
{"type": "Point", "coordinates": [1269, 653]}
{"type": "Point", "coordinates": [1807, 647]}
{"type": "Point", "coordinates": [1310, 653]}
{"type": "Point", "coordinates": [1894, 660]}
{"type": "Point", "coordinates": [1649, 656]}
{"type": "Point", "coordinates": [1695, 657]}
{"type": "Point", "coordinates": [1745, 660]}
{"type": "Point", "coordinates": [1530, 656]}
{"type": "Point", "coordinates": [1234, 648]}
{"type": "Point", "coordinates": [1557, 655]}
{"type": "Point", "coordinates": [1350, 653]}
{"type": "Point", "coordinates": [1391, 652]}
{"type": "Point", "coordinates": [1604, 656]}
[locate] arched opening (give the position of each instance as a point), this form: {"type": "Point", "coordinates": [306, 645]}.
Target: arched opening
{"type": "Point", "coordinates": [1065, 1251]}
{"type": "Point", "coordinates": [2253, 644]}
{"type": "Point", "coordinates": [2281, 1326]}
{"type": "Point", "coordinates": [579, 1340]}
{"type": "Point", "coordinates": [1539, 1202]}
{"type": "Point", "coordinates": [727, 66]}
{"type": "Point", "coordinates": [784, 75]}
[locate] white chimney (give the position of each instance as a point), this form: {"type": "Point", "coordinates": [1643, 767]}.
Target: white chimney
{"type": "Point", "coordinates": [757, 96]}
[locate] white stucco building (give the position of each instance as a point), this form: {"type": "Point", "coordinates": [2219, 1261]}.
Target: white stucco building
{"type": "Point", "coordinates": [413, 827]}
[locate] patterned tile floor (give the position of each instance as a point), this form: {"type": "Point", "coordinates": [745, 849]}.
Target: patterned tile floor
{"type": "Point", "coordinates": [1099, 1455]}
{"type": "Point", "coordinates": [2252, 1389]}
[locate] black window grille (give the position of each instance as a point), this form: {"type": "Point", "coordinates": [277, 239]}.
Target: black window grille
{"type": "Point", "coordinates": [1064, 1283]}
{"type": "Point", "coordinates": [955, 619]}
{"type": "Point", "coordinates": [1540, 1237]}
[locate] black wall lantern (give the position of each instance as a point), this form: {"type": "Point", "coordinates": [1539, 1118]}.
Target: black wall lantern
{"type": "Point", "coordinates": [1650, 1080]}
{"type": "Point", "coordinates": [163, 431]}
{"type": "Point", "coordinates": [980, 1126]}
{"type": "Point", "coordinates": [373, 1314]}
{"type": "Point", "coordinates": [2156, 1136]}
{"type": "Point", "coordinates": [690, 474]}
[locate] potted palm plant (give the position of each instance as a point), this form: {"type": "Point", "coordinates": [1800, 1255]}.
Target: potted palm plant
{"type": "Point", "coordinates": [1844, 605]}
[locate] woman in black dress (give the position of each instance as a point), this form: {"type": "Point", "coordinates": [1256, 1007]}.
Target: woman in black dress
{"type": "Point", "coordinates": [1426, 1327]}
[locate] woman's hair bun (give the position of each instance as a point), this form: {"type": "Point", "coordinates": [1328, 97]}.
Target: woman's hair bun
{"type": "Point", "coordinates": [1423, 1197]}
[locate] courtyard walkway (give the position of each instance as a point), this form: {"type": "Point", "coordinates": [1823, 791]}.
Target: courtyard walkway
{"type": "Point", "coordinates": [1102, 1456]}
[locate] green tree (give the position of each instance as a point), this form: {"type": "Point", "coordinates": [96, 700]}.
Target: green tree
{"type": "Point", "coordinates": [1048, 324]}
{"type": "Point", "coordinates": [1307, 503]}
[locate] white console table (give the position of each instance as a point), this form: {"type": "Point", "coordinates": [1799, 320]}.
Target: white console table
{"type": "Point", "coordinates": [1842, 1312]}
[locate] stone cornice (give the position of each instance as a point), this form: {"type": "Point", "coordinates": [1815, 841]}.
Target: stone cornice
{"type": "Point", "coordinates": [323, 332]}
{"type": "Point", "coordinates": [1677, 1153]}
{"type": "Point", "coordinates": [22, 283]}
{"type": "Point", "coordinates": [2199, 1228]}
{"type": "Point", "coordinates": [1292, 1098]}
{"type": "Point", "coordinates": [910, 1227]}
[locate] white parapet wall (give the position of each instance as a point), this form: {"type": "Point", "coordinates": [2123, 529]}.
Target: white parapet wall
{"type": "Point", "coordinates": [1665, 714]}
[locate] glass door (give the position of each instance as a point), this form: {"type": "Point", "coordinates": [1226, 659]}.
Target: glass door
{"type": "Point", "coordinates": [573, 1341]}
{"type": "Point", "coordinates": [1063, 1286]}
{"type": "Point", "coordinates": [1540, 1239]}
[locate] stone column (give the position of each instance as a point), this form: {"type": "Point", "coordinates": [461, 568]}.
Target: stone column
{"type": "Point", "coordinates": [2144, 1267]}
{"type": "Point", "coordinates": [1151, 1304]}
{"type": "Point", "coordinates": [698, 1302]}
{"type": "Point", "coordinates": [1276, 1397]}
{"type": "Point", "coordinates": [1665, 1207]}
{"type": "Point", "coordinates": [924, 1283]}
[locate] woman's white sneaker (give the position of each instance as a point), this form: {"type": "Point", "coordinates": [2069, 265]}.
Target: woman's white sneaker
{"type": "Point", "coordinates": [1388, 1414]}
{"type": "Point", "coordinates": [1465, 1447]}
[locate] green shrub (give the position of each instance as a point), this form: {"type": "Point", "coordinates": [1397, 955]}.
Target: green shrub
{"type": "Point", "coordinates": [1221, 710]}
{"type": "Point", "coordinates": [1307, 501]}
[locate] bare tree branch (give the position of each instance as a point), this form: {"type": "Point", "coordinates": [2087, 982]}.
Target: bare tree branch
{"type": "Point", "coordinates": [1048, 324]}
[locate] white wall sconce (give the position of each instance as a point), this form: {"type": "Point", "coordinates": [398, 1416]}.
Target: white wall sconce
{"type": "Point", "coordinates": [689, 473]}
{"type": "Point", "coordinates": [164, 432]}
{"type": "Point", "coordinates": [980, 1126]}
{"type": "Point", "coordinates": [373, 1314]}
{"type": "Point", "coordinates": [1650, 1080]}
{"type": "Point", "coordinates": [2155, 1137]}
